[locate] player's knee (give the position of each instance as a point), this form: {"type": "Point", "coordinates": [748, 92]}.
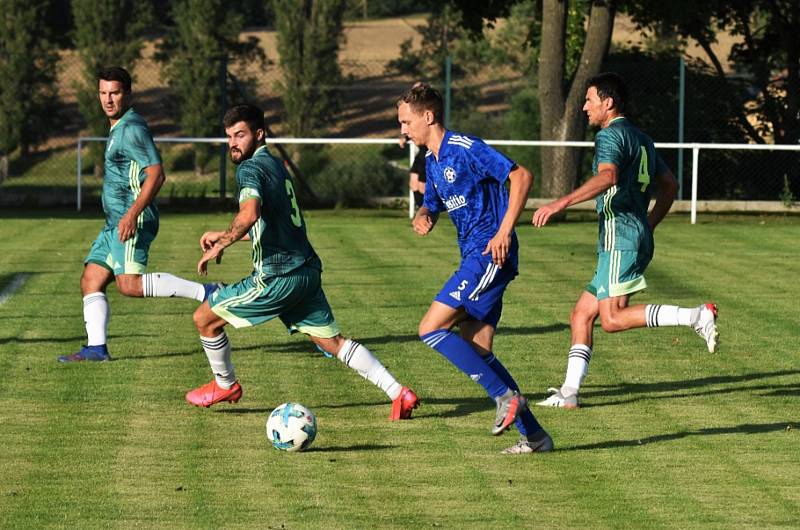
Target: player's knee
{"type": "Point", "coordinates": [611, 324]}
{"type": "Point", "coordinates": [130, 285]}
{"type": "Point", "coordinates": [332, 345]}
{"type": "Point", "coordinates": [128, 289]}
{"type": "Point", "coordinates": [580, 316]}
{"type": "Point", "coordinates": [200, 318]}
{"type": "Point", "coordinates": [425, 327]}
{"type": "Point", "coordinates": [86, 285]}
{"type": "Point", "coordinates": [91, 284]}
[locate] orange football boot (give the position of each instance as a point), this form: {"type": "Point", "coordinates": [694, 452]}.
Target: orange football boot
{"type": "Point", "coordinates": [211, 393]}
{"type": "Point", "coordinates": [404, 404]}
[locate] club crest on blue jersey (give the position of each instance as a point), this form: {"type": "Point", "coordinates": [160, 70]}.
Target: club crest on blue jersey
{"type": "Point", "coordinates": [449, 174]}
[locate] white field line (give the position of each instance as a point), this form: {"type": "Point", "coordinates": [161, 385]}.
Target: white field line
{"type": "Point", "coordinates": [13, 286]}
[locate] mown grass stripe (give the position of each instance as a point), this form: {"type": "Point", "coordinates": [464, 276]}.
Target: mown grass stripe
{"type": "Point", "coordinates": [710, 426]}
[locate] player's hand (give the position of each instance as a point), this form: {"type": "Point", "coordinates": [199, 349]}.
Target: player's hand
{"type": "Point", "coordinates": [208, 239]}
{"type": "Point", "coordinates": [422, 224]}
{"type": "Point", "coordinates": [498, 246]}
{"type": "Point", "coordinates": [214, 253]}
{"type": "Point", "coordinates": [543, 214]}
{"type": "Point", "coordinates": [126, 227]}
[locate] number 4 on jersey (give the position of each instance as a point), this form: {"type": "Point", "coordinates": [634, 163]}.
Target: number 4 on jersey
{"type": "Point", "coordinates": [644, 176]}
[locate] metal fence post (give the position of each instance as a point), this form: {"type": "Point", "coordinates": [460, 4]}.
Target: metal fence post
{"type": "Point", "coordinates": [223, 103]}
{"type": "Point", "coordinates": [681, 122]}
{"type": "Point", "coordinates": [78, 172]}
{"type": "Point", "coordinates": [412, 154]}
{"type": "Point", "coordinates": [695, 159]}
{"type": "Point", "coordinates": [448, 78]}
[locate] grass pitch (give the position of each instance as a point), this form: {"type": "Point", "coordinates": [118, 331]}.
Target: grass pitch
{"type": "Point", "coordinates": [669, 435]}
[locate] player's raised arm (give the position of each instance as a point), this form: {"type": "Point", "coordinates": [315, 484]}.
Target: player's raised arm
{"type": "Point", "coordinates": [249, 212]}
{"type": "Point", "coordinates": [607, 175]}
{"type": "Point", "coordinates": [667, 188]}
{"type": "Point", "coordinates": [424, 221]}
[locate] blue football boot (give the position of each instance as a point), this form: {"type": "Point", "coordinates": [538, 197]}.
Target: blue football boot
{"type": "Point", "coordinates": [87, 353]}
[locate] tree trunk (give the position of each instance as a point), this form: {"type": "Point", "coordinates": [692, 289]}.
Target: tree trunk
{"type": "Point", "coordinates": [560, 100]}
{"type": "Point", "coordinates": [4, 167]}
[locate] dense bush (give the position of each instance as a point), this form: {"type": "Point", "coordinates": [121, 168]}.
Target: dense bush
{"type": "Point", "coordinates": [351, 180]}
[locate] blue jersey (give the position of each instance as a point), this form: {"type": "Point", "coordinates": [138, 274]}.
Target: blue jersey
{"type": "Point", "coordinates": [468, 180]}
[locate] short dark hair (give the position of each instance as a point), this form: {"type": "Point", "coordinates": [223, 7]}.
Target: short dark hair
{"type": "Point", "coordinates": [116, 73]}
{"type": "Point", "coordinates": [611, 85]}
{"type": "Point", "coordinates": [250, 114]}
{"type": "Point", "coordinates": [422, 97]}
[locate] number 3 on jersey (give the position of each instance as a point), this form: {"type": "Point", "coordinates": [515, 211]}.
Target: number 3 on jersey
{"type": "Point", "coordinates": [644, 176]}
{"type": "Point", "coordinates": [297, 220]}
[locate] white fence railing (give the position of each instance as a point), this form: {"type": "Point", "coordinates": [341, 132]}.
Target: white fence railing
{"type": "Point", "coordinates": [694, 147]}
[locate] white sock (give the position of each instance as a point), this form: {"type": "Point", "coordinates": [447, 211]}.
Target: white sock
{"type": "Point", "coordinates": [360, 359]}
{"type": "Point", "coordinates": [165, 285]}
{"type": "Point", "coordinates": [218, 351]}
{"type": "Point", "coordinates": [670, 315]}
{"type": "Point", "coordinates": [95, 316]}
{"type": "Point", "coordinates": [577, 367]}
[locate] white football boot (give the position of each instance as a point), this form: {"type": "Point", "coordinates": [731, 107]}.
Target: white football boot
{"type": "Point", "coordinates": [541, 442]}
{"type": "Point", "coordinates": [557, 399]}
{"type": "Point", "coordinates": [706, 326]}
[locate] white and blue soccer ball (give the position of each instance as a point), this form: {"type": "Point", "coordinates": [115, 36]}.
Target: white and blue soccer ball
{"type": "Point", "coordinates": [291, 427]}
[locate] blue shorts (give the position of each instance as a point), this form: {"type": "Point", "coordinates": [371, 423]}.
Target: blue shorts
{"type": "Point", "coordinates": [478, 286]}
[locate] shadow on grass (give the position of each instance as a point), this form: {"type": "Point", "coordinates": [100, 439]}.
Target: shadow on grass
{"type": "Point", "coordinates": [156, 355]}
{"type": "Point", "coordinates": [787, 390]}
{"type": "Point", "coordinates": [672, 389]}
{"type": "Point", "coordinates": [461, 407]}
{"type": "Point", "coordinates": [347, 448]}
{"type": "Point", "coordinates": [77, 339]}
{"type": "Point", "coordinates": [747, 428]}
{"type": "Point", "coordinates": [307, 346]}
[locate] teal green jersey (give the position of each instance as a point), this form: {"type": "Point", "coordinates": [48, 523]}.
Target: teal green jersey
{"type": "Point", "coordinates": [129, 150]}
{"type": "Point", "coordinates": [622, 209]}
{"type": "Point", "coordinates": [279, 239]}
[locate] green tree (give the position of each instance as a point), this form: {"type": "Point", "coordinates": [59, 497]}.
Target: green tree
{"type": "Point", "coordinates": [195, 53]}
{"type": "Point", "coordinates": [309, 34]}
{"type": "Point", "coordinates": [767, 55]}
{"type": "Point", "coordinates": [571, 40]}
{"type": "Point", "coordinates": [27, 78]}
{"type": "Point", "coordinates": [562, 82]}
{"type": "Point", "coordinates": [107, 33]}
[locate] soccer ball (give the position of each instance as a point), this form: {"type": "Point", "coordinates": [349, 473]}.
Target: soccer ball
{"type": "Point", "coordinates": [291, 427]}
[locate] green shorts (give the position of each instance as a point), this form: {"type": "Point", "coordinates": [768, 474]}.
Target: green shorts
{"type": "Point", "coordinates": [620, 272]}
{"type": "Point", "coordinates": [129, 257]}
{"type": "Point", "coordinates": [296, 298]}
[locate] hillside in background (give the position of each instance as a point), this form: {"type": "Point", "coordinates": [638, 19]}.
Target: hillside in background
{"type": "Point", "coordinates": [369, 94]}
